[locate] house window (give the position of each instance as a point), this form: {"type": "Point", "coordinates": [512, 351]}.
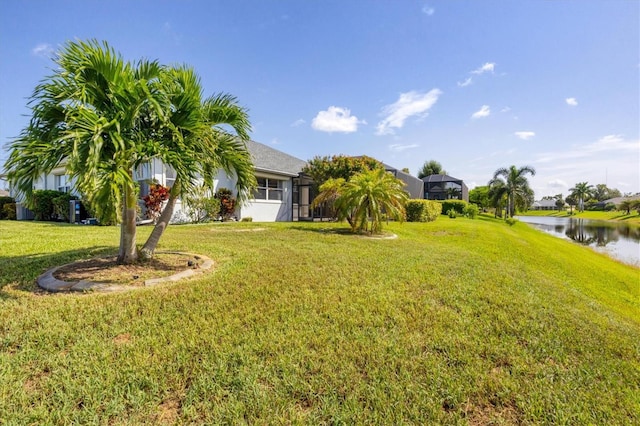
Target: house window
{"type": "Point", "coordinates": [169, 176]}
{"type": "Point", "coordinates": [269, 189]}
{"type": "Point", "coordinates": [143, 171]}
{"type": "Point", "coordinates": [62, 183]}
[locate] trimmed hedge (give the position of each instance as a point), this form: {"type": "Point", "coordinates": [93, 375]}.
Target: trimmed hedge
{"type": "Point", "coordinates": [49, 205]}
{"type": "Point", "coordinates": [457, 205]}
{"type": "Point", "coordinates": [422, 210]}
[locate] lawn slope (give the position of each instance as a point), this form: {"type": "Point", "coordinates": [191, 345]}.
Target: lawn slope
{"type": "Point", "coordinates": [456, 321]}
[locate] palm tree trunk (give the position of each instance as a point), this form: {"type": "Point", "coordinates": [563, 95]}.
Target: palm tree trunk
{"type": "Point", "coordinates": [128, 252]}
{"type": "Point", "coordinates": [150, 245]}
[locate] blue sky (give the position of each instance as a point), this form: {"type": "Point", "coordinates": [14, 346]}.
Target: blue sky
{"type": "Point", "coordinates": [476, 85]}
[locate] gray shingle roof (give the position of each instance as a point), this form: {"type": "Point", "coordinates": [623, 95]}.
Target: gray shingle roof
{"type": "Point", "coordinates": [267, 159]}
{"type": "Point", "coordinates": [440, 178]}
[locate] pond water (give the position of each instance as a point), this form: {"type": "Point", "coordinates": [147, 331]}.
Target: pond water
{"type": "Point", "coordinates": [618, 240]}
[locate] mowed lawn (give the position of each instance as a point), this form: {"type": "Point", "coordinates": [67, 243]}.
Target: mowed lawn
{"type": "Point", "coordinates": [456, 322]}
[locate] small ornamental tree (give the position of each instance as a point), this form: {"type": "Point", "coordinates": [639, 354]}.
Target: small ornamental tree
{"type": "Point", "coordinates": [227, 203]}
{"type": "Point", "coordinates": [321, 169]}
{"type": "Point", "coordinates": [158, 194]}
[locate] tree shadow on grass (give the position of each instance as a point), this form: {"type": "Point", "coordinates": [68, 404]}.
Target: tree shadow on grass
{"type": "Point", "coordinates": [324, 230]}
{"type": "Point", "coordinates": [20, 272]}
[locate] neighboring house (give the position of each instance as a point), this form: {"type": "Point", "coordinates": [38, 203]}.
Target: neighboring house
{"type": "Point", "coordinates": [413, 185]}
{"type": "Point", "coordinates": [4, 193]}
{"type": "Point", "coordinates": [544, 205]}
{"type": "Point", "coordinates": [619, 200]}
{"type": "Point", "coordinates": [444, 187]}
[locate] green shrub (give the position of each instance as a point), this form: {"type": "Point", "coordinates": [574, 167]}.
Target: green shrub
{"type": "Point", "coordinates": [471, 211]}
{"type": "Point", "coordinates": [61, 206]}
{"type": "Point", "coordinates": [609, 207]}
{"type": "Point", "coordinates": [246, 219]}
{"type": "Point", "coordinates": [3, 202]}
{"type": "Point", "coordinates": [41, 204]}
{"type": "Point", "coordinates": [8, 211]}
{"type": "Point", "coordinates": [422, 210]}
{"type": "Point", "coordinates": [511, 221]}
{"type": "Point", "coordinates": [457, 205]}
{"type": "Point", "coordinates": [452, 214]}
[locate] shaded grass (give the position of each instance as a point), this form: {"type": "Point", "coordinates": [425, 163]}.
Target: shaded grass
{"type": "Point", "coordinates": [456, 321]}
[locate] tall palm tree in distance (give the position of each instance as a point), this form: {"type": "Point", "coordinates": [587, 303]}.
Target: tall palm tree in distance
{"type": "Point", "coordinates": [581, 191]}
{"type": "Point", "coordinates": [512, 183]}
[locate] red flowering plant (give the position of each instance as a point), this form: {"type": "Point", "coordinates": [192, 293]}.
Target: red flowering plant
{"type": "Point", "coordinates": [227, 203]}
{"type": "Point", "coordinates": [158, 194]}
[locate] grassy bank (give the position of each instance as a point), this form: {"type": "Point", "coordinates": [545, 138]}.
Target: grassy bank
{"type": "Point", "coordinates": [455, 321]}
{"type": "Point", "coordinates": [632, 219]}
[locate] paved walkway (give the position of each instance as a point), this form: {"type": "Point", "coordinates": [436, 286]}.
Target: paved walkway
{"type": "Point", "coordinates": [50, 283]}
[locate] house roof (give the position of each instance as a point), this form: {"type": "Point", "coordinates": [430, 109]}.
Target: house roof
{"type": "Point", "coordinates": [618, 200]}
{"type": "Point", "coordinates": [440, 178]}
{"type": "Point", "coordinates": [267, 159]}
{"type": "Point", "coordinates": [4, 193]}
{"type": "Point", "coordinates": [545, 203]}
{"type": "Point", "coordinates": [414, 186]}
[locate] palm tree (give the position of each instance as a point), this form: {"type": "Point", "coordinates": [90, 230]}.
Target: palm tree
{"type": "Point", "coordinates": [514, 184]}
{"type": "Point", "coordinates": [330, 191]}
{"type": "Point", "coordinates": [368, 195]}
{"type": "Point", "coordinates": [431, 167]}
{"type": "Point", "coordinates": [105, 117]}
{"type": "Point", "coordinates": [497, 196]}
{"type": "Point", "coordinates": [94, 113]}
{"type": "Point", "coordinates": [581, 191]}
{"type": "Point", "coordinates": [196, 146]}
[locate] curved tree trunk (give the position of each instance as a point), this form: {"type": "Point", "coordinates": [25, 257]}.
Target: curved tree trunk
{"type": "Point", "coordinates": [128, 252]}
{"type": "Point", "coordinates": [150, 245]}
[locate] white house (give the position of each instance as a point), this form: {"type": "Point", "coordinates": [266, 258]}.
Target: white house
{"type": "Point", "coordinates": [272, 201]}
{"type": "Point", "coordinates": [283, 194]}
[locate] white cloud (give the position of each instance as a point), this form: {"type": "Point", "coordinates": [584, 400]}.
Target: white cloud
{"type": "Point", "coordinates": [557, 183]}
{"type": "Point", "coordinates": [609, 144]}
{"type": "Point", "coordinates": [336, 119]}
{"type": "Point", "coordinates": [485, 111]}
{"type": "Point", "coordinates": [505, 109]}
{"type": "Point", "coordinates": [44, 50]}
{"type": "Point", "coordinates": [525, 135]}
{"type": "Point", "coordinates": [571, 101]}
{"type": "Point", "coordinates": [275, 141]}
{"type": "Point", "coordinates": [298, 122]}
{"type": "Point", "coordinates": [399, 148]}
{"type": "Point", "coordinates": [487, 67]}
{"type": "Point", "coordinates": [465, 83]}
{"type": "Point", "coordinates": [429, 11]}
{"type": "Point", "coordinates": [408, 105]}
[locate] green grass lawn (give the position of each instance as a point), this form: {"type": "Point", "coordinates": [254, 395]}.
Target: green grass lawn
{"type": "Point", "coordinates": [632, 219]}
{"type": "Point", "coordinates": [454, 322]}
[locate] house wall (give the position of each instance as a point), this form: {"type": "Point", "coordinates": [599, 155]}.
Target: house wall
{"type": "Point", "coordinates": [270, 210]}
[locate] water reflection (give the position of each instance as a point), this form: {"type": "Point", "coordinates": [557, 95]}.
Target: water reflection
{"type": "Point", "coordinates": [618, 240]}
